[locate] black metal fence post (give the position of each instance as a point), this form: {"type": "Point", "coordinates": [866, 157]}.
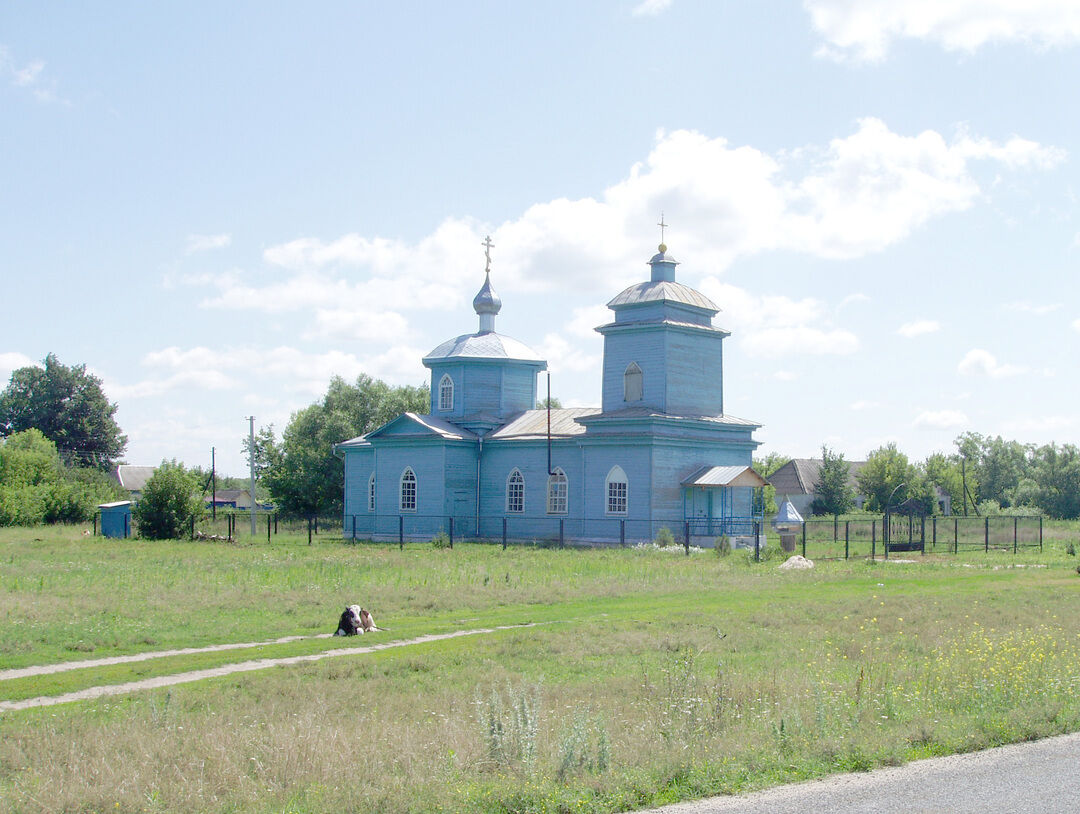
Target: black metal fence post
{"type": "Point", "coordinates": [804, 540]}
{"type": "Point", "coordinates": [886, 532]}
{"type": "Point", "coordinates": [192, 527]}
{"type": "Point", "coordinates": [686, 537]}
{"type": "Point", "coordinates": [1016, 521]}
{"type": "Point", "coordinates": [451, 524]}
{"type": "Point", "coordinates": [622, 532]}
{"type": "Point", "coordinates": [562, 536]}
{"type": "Point", "coordinates": [309, 531]}
{"type": "Point", "coordinates": [1040, 533]}
{"type": "Point", "coordinates": [504, 534]}
{"type": "Point", "coordinates": [268, 528]}
{"type": "Point", "coordinates": [275, 522]}
{"type": "Point", "coordinates": [986, 535]}
{"type": "Point", "coordinates": [847, 538]}
{"type": "Point", "coordinates": [873, 539]}
{"type": "Point", "coordinates": [95, 525]}
{"type": "Point", "coordinates": [956, 535]}
{"type": "Point", "coordinates": [757, 548]}
{"type": "Point", "coordinates": [401, 531]}
{"type": "Point", "coordinates": [354, 526]}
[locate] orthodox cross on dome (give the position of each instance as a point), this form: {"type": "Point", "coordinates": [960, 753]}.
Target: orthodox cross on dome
{"type": "Point", "coordinates": [487, 244]}
{"type": "Point", "coordinates": [662, 226]}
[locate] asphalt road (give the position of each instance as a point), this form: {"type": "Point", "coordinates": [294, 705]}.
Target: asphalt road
{"type": "Point", "coordinates": [1020, 779]}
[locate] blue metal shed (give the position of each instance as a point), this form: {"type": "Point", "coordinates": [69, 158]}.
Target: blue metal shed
{"type": "Point", "coordinates": [116, 519]}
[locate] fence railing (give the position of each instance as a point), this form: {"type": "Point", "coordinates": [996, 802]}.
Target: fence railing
{"type": "Point", "coordinates": [545, 529]}
{"type": "Point", "coordinates": [833, 538]}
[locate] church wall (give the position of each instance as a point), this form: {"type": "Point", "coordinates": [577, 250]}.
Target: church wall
{"type": "Point", "coordinates": [518, 389]}
{"type": "Point", "coordinates": [530, 457]}
{"type": "Point", "coordinates": [428, 462]}
{"type": "Point", "coordinates": [456, 373]}
{"type": "Point", "coordinates": [647, 349]}
{"type": "Point", "coordinates": [460, 498]}
{"type": "Point", "coordinates": [483, 385]}
{"type": "Point", "coordinates": [358, 468]}
{"type": "Point", "coordinates": [674, 461]}
{"type": "Point", "coordinates": [695, 373]}
{"type": "Point", "coordinates": [634, 457]}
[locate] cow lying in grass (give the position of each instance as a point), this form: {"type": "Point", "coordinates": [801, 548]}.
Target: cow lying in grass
{"type": "Point", "coordinates": [355, 619]}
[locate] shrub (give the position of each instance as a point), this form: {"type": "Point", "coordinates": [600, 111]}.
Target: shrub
{"type": "Point", "coordinates": [440, 540]}
{"type": "Point", "coordinates": [168, 504]}
{"type": "Point", "coordinates": [584, 747]}
{"type": "Point", "coordinates": [664, 537]}
{"type": "Point", "coordinates": [511, 726]}
{"type": "Point", "coordinates": [722, 546]}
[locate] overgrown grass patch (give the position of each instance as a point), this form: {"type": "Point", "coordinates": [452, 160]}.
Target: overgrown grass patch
{"type": "Point", "coordinates": [655, 677]}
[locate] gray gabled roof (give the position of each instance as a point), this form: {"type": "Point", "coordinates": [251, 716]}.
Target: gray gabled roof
{"type": "Point", "coordinates": [134, 478]}
{"type": "Point", "coordinates": [799, 476]}
{"type": "Point", "coordinates": [424, 425]}
{"type": "Point", "coordinates": [663, 290]}
{"type": "Point", "coordinates": [725, 476]}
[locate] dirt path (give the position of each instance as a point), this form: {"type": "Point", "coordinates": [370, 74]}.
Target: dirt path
{"type": "Point", "coordinates": [227, 669]}
{"type": "Point", "coordinates": [64, 666]}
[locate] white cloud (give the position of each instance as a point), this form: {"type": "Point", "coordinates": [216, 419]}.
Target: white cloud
{"type": "Point", "coordinates": [774, 325]}
{"type": "Point", "coordinates": [1025, 307]}
{"type": "Point", "coordinates": [864, 404]}
{"type": "Point", "coordinates": [857, 195]}
{"type": "Point", "coordinates": [979, 362]}
{"type": "Point", "coordinates": [785, 376]}
{"type": "Point", "coordinates": [29, 76]}
{"type": "Point", "coordinates": [1044, 424]}
{"type": "Point", "coordinates": [865, 30]}
{"type": "Point", "coordinates": [10, 361]}
{"type": "Point", "coordinates": [564, 356]}
{"type": "Point", "coordinates": [202, 243]}
{"type": "Point", "coordinates": [918, 328]}
{"type": "Point", "coordinates": [349, 325]}
{"type": "Point", "coordinates": [941, 419]}
{"type": "Point", "coordinates": [650, 8]}
{"type": "Point", "coordinates": [1076, 325]}
{"type": "Point", "coordinates": [851, 299]}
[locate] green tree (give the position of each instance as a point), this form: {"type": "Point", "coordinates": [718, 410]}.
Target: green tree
{"type": "Point", "coordinates": [169, 502]}
{"type": "Point", "coordinates": [885, 469]}
{"type": "Point", "coordinates": [833, 492]}
{"type": "Point", "coordinates": [69, 407]}
{"type": "Point", "coordinates": [943, 471]}
{"type": "Point", "coordinates": [1057, 480]}
{"type": "Point", "coordinates": [765, 467]}
{"type": "Point", "coordinates": [36, 487]}
{"type": "Point", "coordinates": [301, 471]}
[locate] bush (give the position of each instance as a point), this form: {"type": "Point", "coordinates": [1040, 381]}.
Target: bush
{"type": "Point", "coordinates": [664, 537]}
{"type": "Point", "coordinates": [722, 546]}
{"type": "Point", "coordinates": [168, 504]}
{"type": "Point", "coordinates": [440, 540]}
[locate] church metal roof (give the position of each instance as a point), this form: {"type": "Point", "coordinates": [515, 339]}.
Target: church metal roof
{"type": "Point", "coordinates": [533, 423]}
{"type": "Point", "coordinates": [725, 476]}
{"type": "Point", "coordinates": [663, 291]}
{"type": "Point", "coordinates": [484, 345]}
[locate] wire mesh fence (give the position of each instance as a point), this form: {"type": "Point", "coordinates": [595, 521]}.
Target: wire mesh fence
{"type": "Point", "coordinates": [836, 538]}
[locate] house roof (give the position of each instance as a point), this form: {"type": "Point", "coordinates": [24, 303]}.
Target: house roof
{"type": "Point", "coordinates": [649, 412]}
{"type": "Point", "coordinates": [134, 478]}
{"type": "Point", "coordinates": [799, 475]}
{"type": "Point", "coordinates": [725, 476]}
{"type": "Point", "coordinates": [533, 423]}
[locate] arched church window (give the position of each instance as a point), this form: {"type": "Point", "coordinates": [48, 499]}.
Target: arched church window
{"type": "Point", "coordinates": [408, 490]}
{"type": "Point", "coordinates": [556, 492]}
{"type": "Point", "coordinates": [371, 493]}
{"type": "Point", "coordinates": [632, 385]}
{"type": "Point", "coordinates": [446, 392]}
{"type": "Point", "coordinates": [616, 491]}
{"type": "Point", "coordinates": [515, 493]}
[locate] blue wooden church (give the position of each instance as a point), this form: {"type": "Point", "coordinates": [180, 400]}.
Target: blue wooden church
{"type": "Point", "coordinates": [485, 463]}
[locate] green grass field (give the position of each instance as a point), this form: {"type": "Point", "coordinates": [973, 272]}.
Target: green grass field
{"type": "Point", "coordinates": [654, 677]}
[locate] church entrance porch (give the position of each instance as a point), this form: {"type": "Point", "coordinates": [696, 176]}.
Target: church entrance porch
{"type": "Point", "coordinates": [724, 501]}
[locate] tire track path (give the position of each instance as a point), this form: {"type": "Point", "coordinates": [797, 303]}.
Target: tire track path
{"type": "Point", "coordinates": [227, 669]}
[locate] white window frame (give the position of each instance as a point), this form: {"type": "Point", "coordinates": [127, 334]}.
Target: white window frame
{"type": "Point", "coordinates": [554, 499]}
{"type": "Point", "coordinates": [406, 495]}
{"type": "Point", "coordinates": [633, 374]}
{"type": "Point", "coordinates": [446, 393]}
{"type": "Point", "coordinates": [371, 493]}
{"type": "Point", "coordinates": [616, 492]}
{"type": "Point", "coordinates": [515, 492]}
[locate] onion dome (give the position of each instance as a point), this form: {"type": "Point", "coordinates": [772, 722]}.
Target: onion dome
{"type": "Point", "coordinates": [487, 304]}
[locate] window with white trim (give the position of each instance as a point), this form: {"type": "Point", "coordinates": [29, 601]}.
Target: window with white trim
{"type": "Point", "coordinates": [446, 392]}
{"type": "Point", "coordinates": [371, 493]}
{"type": "Point", "coordinates": [617, 491]}
{"type": "Point", "coordinates": [632, 383]}
{"type": "Point", "coordinates": [408, 490]}
{"type": "Point", "coordinates": [556, 492]}
{"type": "Point", "coordinates": [515, 493]}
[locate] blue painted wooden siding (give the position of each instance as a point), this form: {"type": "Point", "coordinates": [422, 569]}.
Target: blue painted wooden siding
{"type": "Point", "coordinates": [695, 373]}
{"type": "Point", "coordinates": [497, 388]}
{"type": "Point", "coordinates": [647, 349]}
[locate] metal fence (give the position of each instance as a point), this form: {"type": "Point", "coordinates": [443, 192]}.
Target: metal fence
{"type": "Point", "coordinates": [234, 524]}
{"type": "Point", "coordinates": [833, 538]}
{"type": "Point", "coordinates": [545, 529]}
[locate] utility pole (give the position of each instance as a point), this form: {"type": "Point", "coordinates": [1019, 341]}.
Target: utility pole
{"type": "Point", "coordinates": [213, 481]}
{"type": "Point", "coordinates": [251, 464]}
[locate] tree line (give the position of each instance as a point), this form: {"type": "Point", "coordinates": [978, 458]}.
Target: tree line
{"type": "Point", "coordinates": [985, 475]}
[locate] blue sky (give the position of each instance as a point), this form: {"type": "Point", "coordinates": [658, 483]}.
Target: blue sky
{"type": "Point", "coordinates": [217, 207]}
